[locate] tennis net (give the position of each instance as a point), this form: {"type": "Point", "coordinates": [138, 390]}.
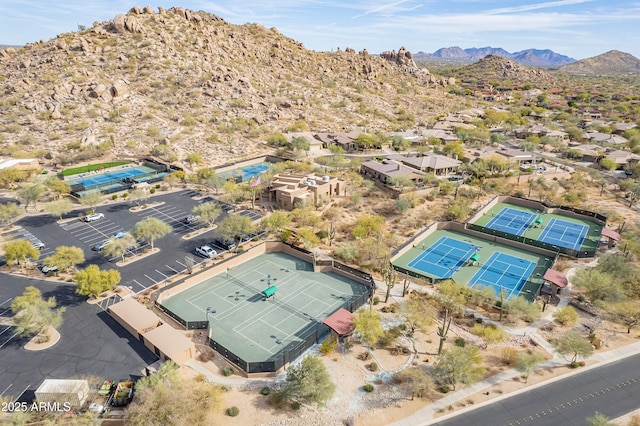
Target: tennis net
{"type": "Point", "coordinates": [504, 272]}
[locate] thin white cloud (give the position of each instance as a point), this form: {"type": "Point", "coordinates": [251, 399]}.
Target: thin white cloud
{"type": "Point", "coordinates": [529, 7]}
{"type": "Point", "coordinates": [385, 6]}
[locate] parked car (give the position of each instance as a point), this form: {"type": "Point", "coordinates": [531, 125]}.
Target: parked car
{"type": "Point", "coordinates": [225, 244]}
{"type": "Point", "coordinates": [38, 244]}
{"type": "Point", "coordinates": [101, 245]}
{"type": "Point", "coordinates": [93, 216]}
{"type": "Point", "coordinates": [191, 219]}
{"type": "Point", "coordinates": [47, 269]}
{"type": "Point", "coordinates": [206, 251]}
{"type": "Point", "coordinates": [120, 234]}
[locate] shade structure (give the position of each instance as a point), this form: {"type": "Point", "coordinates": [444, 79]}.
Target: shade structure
{"type": "Point", "coordinates": [475, 257]}
{"type": "Point", "coordinates": [539, 220]}
{"type": "Point", "coordinates": [269, 291]}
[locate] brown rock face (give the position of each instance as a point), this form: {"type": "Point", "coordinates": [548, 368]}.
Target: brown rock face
{"type": "Point", "coordinates": [118, 23]}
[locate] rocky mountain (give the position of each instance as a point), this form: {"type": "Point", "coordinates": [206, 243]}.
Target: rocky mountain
{"type": "Point", "coordinates": [529, 57]}
{"type": "Point", "coordinates": [613, 63]}
{"type": "Point", "coordinates": [177, 81]}
{"type": "Point", "coordinates": [495, 68]}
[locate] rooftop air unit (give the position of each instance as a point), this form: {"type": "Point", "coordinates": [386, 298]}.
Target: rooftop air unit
{"type": "Point", "coordinates": [325, 178]}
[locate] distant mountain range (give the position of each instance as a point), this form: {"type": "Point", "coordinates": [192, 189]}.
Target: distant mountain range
{"type": "Point", "coordinates": [612, 62]}
{"type": "Point", "coordinates": [528, 57]}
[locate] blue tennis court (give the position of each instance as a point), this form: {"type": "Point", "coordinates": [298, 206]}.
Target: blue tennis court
{"type": "Point", "coordinates": [564, 234]}
{"type": "Point", "coordinates": [110, 176]}
{"type": "Point", "coordinates": [503, 272]}
{"type": "Point", "coordinates": [444, 257]}
{"type": "Point", "coordinates": [512, 221]}
{"type": "Point", "coordinates": [247, 173]}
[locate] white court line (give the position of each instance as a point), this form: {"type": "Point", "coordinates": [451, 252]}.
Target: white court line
{"type": "Point", "coordinates": [10, 338]}
{"type": "Point", "coordinates": [6, 389]}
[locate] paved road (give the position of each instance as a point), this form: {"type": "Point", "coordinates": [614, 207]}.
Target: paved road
{"type": "Point", "coordinates": [91, 343]}
{"type": "Point", "coordinates": [613, 390]}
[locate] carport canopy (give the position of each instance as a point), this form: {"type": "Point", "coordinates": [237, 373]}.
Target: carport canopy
{"type": "Point", "coordinates": [341, 322]}
{"type": "Point", "coordinates": [269, 291]}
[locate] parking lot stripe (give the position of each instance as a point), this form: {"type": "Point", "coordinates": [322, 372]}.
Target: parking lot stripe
{"type": "Point", "coordinates": [171, 268]}
{"type": "Point", "coordinates": [177, 261]}
{"type": "Point", "coordinates": [7, 388]}
{"type": "Point", "coordinates": [25, 389]}
{"type": "Point", "coordinates": [8, 300]}
{"type": "Point", "coordinates": [10, 338]}
{"type": "Point", "coordinates": [154, 281]}
{"type": "Point", "coordinates": [166, 276]}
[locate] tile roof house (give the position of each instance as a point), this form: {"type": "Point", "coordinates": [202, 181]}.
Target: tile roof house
{"type": "Point", "coordinates": [385, 170]}
{"type": "Point", "coordinates": [344, 140]}
{"type": "Point", "coordinates": [519, 155]}
{"type": "Point", "coordinates": [622, 158]}
{"type": "Point", "coordinates": [290, 189]}
{"type": "Point", "coordinates": [315, 145]}
{"type": "Point", "coordinates": [597, 137]}
{"type": "Point", "coordinates": [437, 164]}
{"type": "Point", "coordinates": [444, 135]}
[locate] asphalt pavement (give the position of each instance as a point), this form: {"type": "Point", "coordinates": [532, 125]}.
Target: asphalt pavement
{"type": "Point", "coordinates": [612, 389]}
{"type": "Point", "coordinates": [91, 343]}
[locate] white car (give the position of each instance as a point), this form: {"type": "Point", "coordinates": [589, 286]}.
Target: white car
{"type": "Point", "coordinates": [206, 251]}
{"type": "Point", "coordinates": [38, 244]}
{"type": "Point", "coordinates": [120, 234]}
{"type": "Point", "coordinates": [46, 269]}
{"type": "Point", "coordinates": [101, 245]}
{"type": "Point", "coordinates": [93, 216]}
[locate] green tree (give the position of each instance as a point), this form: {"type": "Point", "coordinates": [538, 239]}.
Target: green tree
{"type": "Point", "coordinates": [30, 194]}
{"type": "Point", "coordinates": [608, 164]}
{"type": "Point", "coordinates": [19, 251]}
{"type": "Point", "coordinates": [566, 316]}
{"type": "Point", "coordinates": [402, 205]}
{"type": "Point", "coordinates": [9, 212]}
{"type": "Point", "coordinates": [454, 149]}
{"type": "Point", "coordinates": [119, 247]}
{"type": "Point", "coordinates": [418, 312]}
{"type": "Point", "coordinates": [389, 275]}
{"type": "Point", "coordinates": [277, 220]}
{"type": "Point", "coordinates": [235, 228]}
{"type": "Point", "coordinates": [627, 312]}
{"type": "Point", "coordinates": [599, 286]}
{"type": "Point", "coordinates": [308, 382]}
{"type": "Point", "coordinates": [300, 143]}
{"type": "Point", "coordinates": [401, 182]}
{"type": "Point", "coordinates": [527, 362]}
{"type": "Point", "coordinates": [92, 281]}
{"type": "Point", "coordinates": [633, 193]}
{"type": "Point", "coordinates": [168, 399]}
{"type": "Point", "coordinates": [457, 209]}
{"type": "Point", "coordinates": [57, 186]}
{"type": "Point", "coordinates": [150, 229]}
{"type": "Point", "coordinates": [65, 257]}
{"type": "Point", "coordinates": [459, 365]}
{"type": "Point", "coordinates": [277, 139]}
{"type": "Point", "coordinates": [521, 308]}
{"type": "Point", "coordinates": [193, 158]}
{"type": "Point", "coordinates": [368, 326]}
{"type": "Point", "coordinates": [139, 195]}
{"type": "Point", "coordinates": [414, 381]}
{"type": "Point", "coordinates": [91, 199]}
{"type": "Point", "coordinates": [59, 207]}
{"type": "Point", "coordinates": [215, 181]}
{"type": "Point", "coordinates": [573, 344]}
{"type": "Point", "coordinates": [308, 237]}
{"type": "Point", "coordinates": [208, 212]}
{"type": "Point", "coordinates": [367, 225]}
{"type": "Point", "coordinates": [399, 143]}
{"type": "Point", "coordinates": [34, 315]}
{"type": "Point", "coordinates": [364, 141]}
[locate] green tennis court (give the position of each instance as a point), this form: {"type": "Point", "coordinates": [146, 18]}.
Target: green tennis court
{"type": "Point", "coordinates": [256, 328]}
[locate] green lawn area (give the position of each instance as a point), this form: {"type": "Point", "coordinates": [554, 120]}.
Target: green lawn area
{"type": "Point", "coordinates": [92, 167]}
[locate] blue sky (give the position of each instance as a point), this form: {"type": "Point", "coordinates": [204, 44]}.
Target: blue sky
{"type": "Point", "coordinates": [576, 28]}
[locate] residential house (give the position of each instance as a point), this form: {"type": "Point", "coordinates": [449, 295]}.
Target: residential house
{"type": "Point", "coordinates": [343, 140]}
{"type": "Point", "coordinates": [591, 153]}
{"type": "Point", "coordinates": [437, 164]}
{"type": "Point", "coordinates": [384, 171]}
{"type": "Point", "coordinates": [623, 127]}
{"type": "Point", "coordinates": [291, 189]}
{"type": "Point", "coordinates": [444, 135]}
{"type": "Point", "coordinates": [623, 159]}
{"type": "Point", "coordinates": [519, 155]}
{"type": "Point", "coordinates": [603, 138]}
{"type": "Point", "coordinates": [315, 145]}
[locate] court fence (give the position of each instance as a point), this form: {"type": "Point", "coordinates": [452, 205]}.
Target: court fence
{"type": "Point", "coordinates": [532, 242]}
{"type": "Point", "coordinates": [312, 334]}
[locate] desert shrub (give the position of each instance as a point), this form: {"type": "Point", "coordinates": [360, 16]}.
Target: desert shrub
{"type": "Point", "coordinates": [295, 406]}
{"type": "Point", "coordinates": [490, 333]}
{"type": "Point", "coordinates": [566, 316]}
{"type": "Point", "coordinates": [277, 400]}
{"type": "Point", "coordinates": [233, 411]}
{"type": "Point", "coordinates": [376, 300]}
{"type": "Point", "coordinates": [364, 356]}
{"type": "Point", "coordinates": [373, 366]}
{"type": "Point", "coordinates": [206, 356]}
{"type": "Point", "coordinates": [153, 191]}
{"type": "Point", "coordinates": [389, 336]}
{"type": "Point", "coordinates": [368, 387]}
{"type": "Point", "coordinates": [329, 345]}
{"type": "Point", "coordinates": [445, 389]}
{"type": "Point", "coordinates": [460, 342]}
{"type": "Point", "coordinates": [508, 355]}
{"type": "Point", "coordinates": [265, 391]}
{"type": "Point", "coordinates": [114, 197]}
{"type": "Point", "coordinates": [393, 308]}
{"type": "Point", "coordinates": [227, 371]}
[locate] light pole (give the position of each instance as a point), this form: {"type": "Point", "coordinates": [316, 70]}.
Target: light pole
{"type": "Point", "coordinates": [284, 354]}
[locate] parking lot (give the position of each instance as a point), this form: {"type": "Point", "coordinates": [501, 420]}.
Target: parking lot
{"type": "Point", "coordinates": [91, 343]}
{"type": "Point", "coordinates": [141, 274]}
